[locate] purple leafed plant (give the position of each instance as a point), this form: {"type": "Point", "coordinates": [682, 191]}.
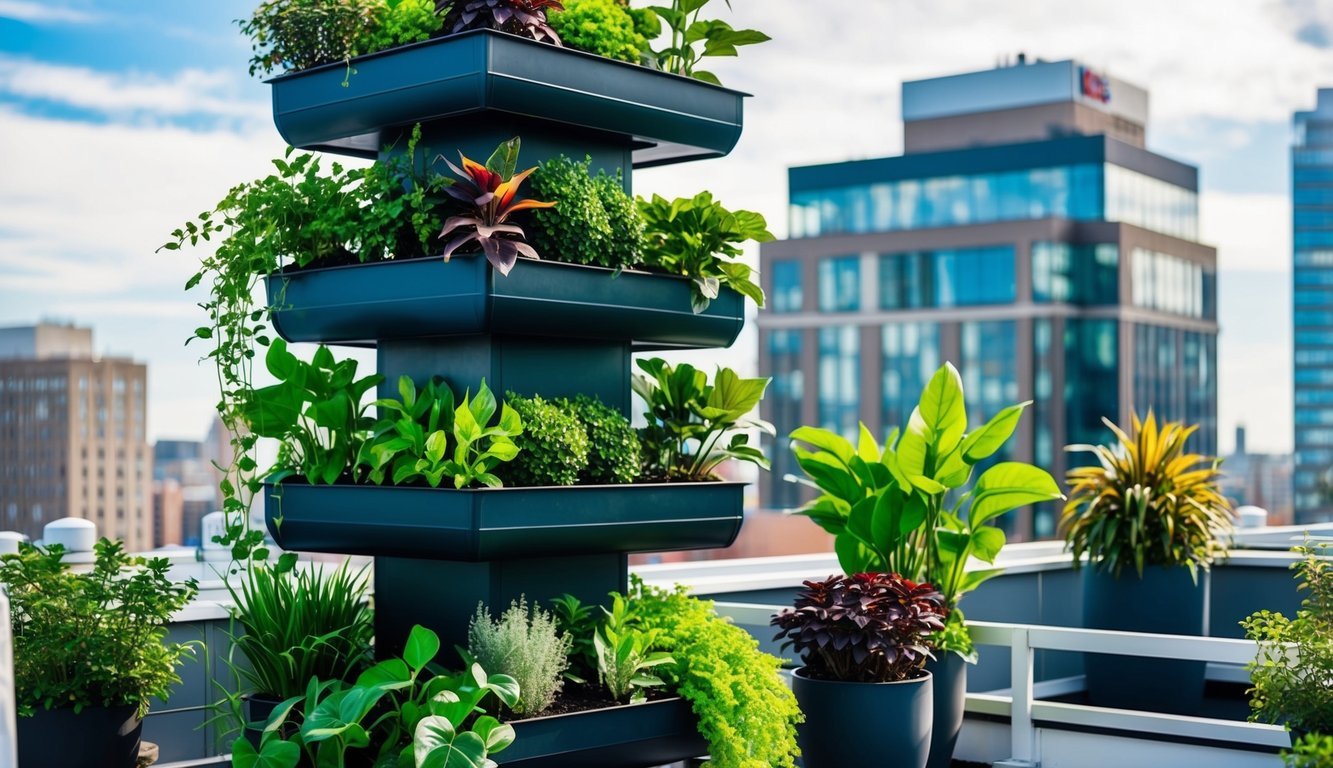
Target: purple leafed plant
{"type": "Point", "coordinates": [525, 18]}
{"type": "Point", "coordinates": [490, 194]}
{"type": "Point", "coordinates": [866, 628]}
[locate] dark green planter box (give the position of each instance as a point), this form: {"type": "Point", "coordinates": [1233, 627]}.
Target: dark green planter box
{"type": "Point", "coordinates": [422, 298]}
{"type": "Point", "coordinates": [475, 525]}
{"type": "Point", "coordinates": [663, 118]}
{"type": "Point", "coordinates": [635, 736]}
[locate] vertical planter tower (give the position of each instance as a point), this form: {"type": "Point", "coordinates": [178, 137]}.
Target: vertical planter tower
{"type": "Point", "coordinates": [551, 329]}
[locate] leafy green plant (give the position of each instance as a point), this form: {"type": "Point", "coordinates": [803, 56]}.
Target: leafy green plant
{"type": "Point", "coordinates": [624, 656]}
{"type": "Point", "coordinates": [1146, 502]}
{"type": "Point", "coordinates": [579, 622]}
{"type": "Point", "coordinates": [299, 625]}
{"type": "Point", "coordinates": [593, 222]}
{"type": "Point", "coordinates": [399, 22]}
{"type": "Point", "coordinates": [698, 238]}
{"type": "Point", "coordinates": [900, 508]}
{"type": "Point", "coordinates": [1291, 674]}
{"type": "Point", "coordinates": [613, 445]}
{"type": "Point", "coordinates": [525, 644]}
{"type": "Point", "coordinates": [525, 18]}
{"type": "Point", "coordinates": [393, 715]}
{"type": "Point", "coordinates": [553, 448]}
{"type": "Point", "coordinates": [1313, 750]}
{"type": "Point", "coordinates": [92, 639]}
{"type": "Point", "coordinates": [691, 39]}
{"type": "Point", "coordinates": [693, 426]}
{"type": "Point", "coordinates": [299, 34]}
{"type": "Point", "coordinates": [604, 27]}
{"type": "Point", "coordinates": [424, 438]}
{"type": "Point", "coordinates": [747, 714]}
{"type": "Point", "coordinates": [489, 194]}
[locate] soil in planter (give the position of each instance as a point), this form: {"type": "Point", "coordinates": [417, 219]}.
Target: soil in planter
{"type": "Point", "coordinates": [574, 698]}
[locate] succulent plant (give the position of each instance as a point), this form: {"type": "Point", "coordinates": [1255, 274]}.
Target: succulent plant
{"type": "Point", "coordinates": [491, 192]}
{"type": "Point", "coordinates": [525, 18]}
{"type": "Point", "coordinates": [865, 628]}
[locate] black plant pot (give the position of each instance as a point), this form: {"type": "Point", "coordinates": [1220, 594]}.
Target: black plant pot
{"type": "Point", "coordinates": [949, 672]}
{"type": "Point", "coordinates": [631, 736]}
{"type": "Point", "coordinates": [864, 724]}
{"type": "Point", "coordinates": [97, 737]}
{"type": "Point", "coordinates": [1164, 601]}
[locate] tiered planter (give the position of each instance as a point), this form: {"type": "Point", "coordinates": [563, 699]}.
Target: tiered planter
{"type": "Point", "coordinates": [548, 328]}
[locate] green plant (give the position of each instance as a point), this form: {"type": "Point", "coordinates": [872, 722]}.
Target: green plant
{"type": "Point", "coordinates": [593, 222]}
{"type": "Point", "coordinates": [298, 34]}
{"type": "Point", "coordinates": [489, 195]}
{"type": "Point", "coordinates": [624, 656]}
{"type": "Point", "coordinates": [863, 628]}
{"type": "Point", "coordinates": [613, 445]}
{"type": "Point", "coordinates": [553, 449]}
{"type": "Point", "coordinates": [1146, 502]}
{"type": "Point", "coordinates": [747, 714]}
{"type": "Point", "coordinates": [399, 22]}
{"type": "Point", "coordinates": [698, 238]}
{"type": "Point", "coordinates": [423, 437]}
{"type": "Point", "coordinates": [579, 622]}
{"type": "Point", "coordinates": [92, 639]}
{"type": "Point", "coordinates": [300, 625]}
{"type": "Point", "coordinates": [1291, 674]}
{"type": "Point", "coordinates": [525, 18]}
{"type": "Point", "coordinates": [900, 509]}
{"type": "Point", "coordinates": [526, 645]}
{"type": "Point", "coordinates": [1313, 750]}
{"type": "Point", "coordinates": [603, 27]}
{"type": "Point", "coordinates": [393, 715]}
{"type": "Point", "coordinates": [690, 420]}
{"type": "Point", "coordinates": [687, 32]}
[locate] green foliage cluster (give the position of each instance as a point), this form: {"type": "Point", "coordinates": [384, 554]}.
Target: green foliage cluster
{"type": "Point", "coordinates": [691, 39]}
{"type": "Point", "coordinates": [394, 716]}
{"type": "Point", "coordinates": [700, 239]}
{"type": "Point", "coordinates": [624, 654]}
{"type": "Point", "coordinates": [301, 624]}
{"type": "Point", "coordinates": [613, 445]}
{"type": "Point", "coordinates": [593, 222]}
{"type": "Point", "coordinates": [746, 712]}
{"type": "Point", "coordinates": [1295, 663]}
{"type": "Point", "coordinates": [607, 28]}
{"type": "Point", "coordinates": [553, 449]}
{"type": "Point", "coordinates": [92, 639]}
{"type": "Point", "coordinates": [693, 426]}
{"type": "Point", "coordinates": [900, 508]}
{"type": "Point", "coordinates": [1313, 750]}
{"type": "Point", "coordinates": [289, 35]}
{"type": "Point", "coordinates": [526, 644]}
{"type": "Point", "coordinates": [399, 22]}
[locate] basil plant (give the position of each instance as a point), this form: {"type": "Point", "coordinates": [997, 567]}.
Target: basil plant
{"type": "Point", "coordinates": [911, 506]}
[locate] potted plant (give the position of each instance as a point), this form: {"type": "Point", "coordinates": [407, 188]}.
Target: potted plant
{"type": "Point", "coordinates": [864, 640]}
{"type": "Point", "coordinates": [89, 652]}
{"type": "Point", "coordinates": [1149, 517]}
{"type": "Point", "coordinates": [906, 508]}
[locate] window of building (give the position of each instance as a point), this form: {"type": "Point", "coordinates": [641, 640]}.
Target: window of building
{"type": "Point", "coordinates": [840, 284]}
{"type": "Point", "coordinates": [1167, 283]}
{"type": "Point", "coordinates": [1075, 274]}
{"type": "Point", "coordinates": [956, 277]}
{"type": "Point", "coordinates": [787, 290]}
{"type": "Point", "coordinates": [911, 355]}
{"type": "Point", "coordinates": [1092, 383]}
{"type": "Point", "coordinates": [785, 396]}
{"type": "Point", "coordinates": [839, 380]}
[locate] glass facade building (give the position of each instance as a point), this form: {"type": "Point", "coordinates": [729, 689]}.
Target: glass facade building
{"type": "Point", "coordinates": [1312, 312]}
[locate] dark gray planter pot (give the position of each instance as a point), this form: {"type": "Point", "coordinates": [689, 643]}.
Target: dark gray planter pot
{"type": "Point", "coordinates": [475, 525]}
{"type": "Point", "coordinates": [949, 673]}
{"type": "Point", "coordinates": [97, 737]}
{"type": "Point", "coordinates": [424, 298]}
{"type": "Point", "coordinates": [1164, 601]}
{"type": "Point", "coordinates": [864, 724]}
{"type": "Point", "coordinates": [632, 736]}
{"type": "Point", "coordinates": [486, 78]}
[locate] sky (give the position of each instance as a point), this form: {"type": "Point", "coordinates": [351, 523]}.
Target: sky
{"type": "Point", "coordinates": [121, 119]}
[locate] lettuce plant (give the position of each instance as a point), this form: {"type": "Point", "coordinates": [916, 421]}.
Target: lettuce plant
{"type": "Point", "coordinates": [490, 193]}
{"type": "Point", "coordinates": [864, 628]}
{"type": "Point", "coordinates": [525, 18]}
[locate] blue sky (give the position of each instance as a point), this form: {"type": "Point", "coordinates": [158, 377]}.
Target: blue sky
{"type": "Point", "coordinates": [119, 119]}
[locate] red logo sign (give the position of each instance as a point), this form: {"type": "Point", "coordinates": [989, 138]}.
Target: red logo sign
{"type": "Point", "coordinates": [1093, 85]}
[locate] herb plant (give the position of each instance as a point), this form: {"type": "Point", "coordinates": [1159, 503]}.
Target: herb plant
{"type": "Point", "coordinates": [604, 27]}
{"type": "Point", "coordinates": [489, 194]}
{"type": "Point", "coordinates": [690, 39]}
{"type": "Point", "coordinates": [1295, 663]}
{"type": "Point", "coordinates": [298, 34]}
{"type": "Point", "coordinates": [1146, 502]}
{"type": "Point", "coordinates": [579, 622]}
{"type": "Point", "coordinates": [1313, 750]}
{"type": "Point", "coordinates": [693, 426]}
{"type": "Point", "coordinates": [698, 238]}
{"type": "Point", "coordinates": [525, 18]}
{"type": "Point", "coordinates": [865, 628]}
{"type": "Point", "coordinates": [399, 22]}
{"type": "Point", "coordinates": [593, 222]}
{"type": "Point", "coordinates": [613, 445]}
{"type": "Point", "coordinates": [525, 644]}
{"type": "Point", "coordinates": [92, 639]}
{"type": "Point", "coordinates": [299, 625]}
{"type": "Point", "coordinates": [553, 448]}
{"type": "Point", "coordinates": [624, 655]}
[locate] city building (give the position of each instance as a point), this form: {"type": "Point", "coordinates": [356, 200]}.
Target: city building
{"type": "Point", "coordinates": [72, 435]}
{"type": "Point", "coordinates": [1312, 315]}
{"type": "Point", "coordinates": [1025, 234]}
{"type": "Point", "coordinates": [1259, 480]}
{"type": "Point", "coordinates": [185, 488]}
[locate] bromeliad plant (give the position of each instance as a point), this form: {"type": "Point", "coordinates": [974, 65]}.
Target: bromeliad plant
{"type": "Point", "coordinates": [525, 18]}
{"type": "Point", "coordinates": [902, 508]}
{"type": "Point", "coordinates": [864, 628]}
{"type": "Point", "coordinates": [1147, 502]}
{"type": "Point", "coordinates": [693, 426]}
{"type": "Point", "coordinates": [490, 193]}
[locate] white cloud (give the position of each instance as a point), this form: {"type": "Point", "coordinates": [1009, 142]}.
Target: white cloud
{"type": "Point", "coordinates": [43, 12]}
{"type": "Point", "coordinates": [1251, 231]}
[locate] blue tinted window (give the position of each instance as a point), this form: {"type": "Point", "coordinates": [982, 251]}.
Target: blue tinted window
{"type": "Point", "coordinates": [1314, 238]}
{"type": "Point", "coordinates": [911, 354]}
{"type": "Point", "coordinates": [1313, 277]}
{"type": "Point", "coordinates": [787, 294]}
{"type": "Point", "coordinates": [839, 380]}
{"type": "Point", "coordinates": [1314, 338]}
{"type": "Point", "coordinates": [1092, 381]}
{"type": "Point", "coordinates": [783, 399]}
{"type": "Point", "coordinates": [1171, 284]}
{"type": "Point", "coordinates": [947, 278]}
{"type": "Point", "coordinates": [1075, 274]}
{"type": "Point", "coordinates": [840, 284]}
{"type": "Point", "coordinates": [1308, 317]}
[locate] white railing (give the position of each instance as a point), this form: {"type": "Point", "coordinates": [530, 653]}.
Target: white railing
{"type": "Point", "coordinates": [8, 732]}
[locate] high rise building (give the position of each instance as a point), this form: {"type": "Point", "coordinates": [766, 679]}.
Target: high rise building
{"type": "Point", "coordinates": [185, 489]}
{"type": "Point", "coordinates": [1028, 236]}
{"type": "Point", "coordinates": [1312, 300]}
{"type": "Point", "coordinates": [72, 435]}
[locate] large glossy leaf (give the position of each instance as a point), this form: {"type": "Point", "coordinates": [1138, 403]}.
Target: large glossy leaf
{"type": "Point", "coordinates": [825, 440]}
{"type": "Point", "coordinates": [273, 754]}
{"type": "Point", "coordinates": [987, 541]}
{"type": "Point", "coordinates": [987, 439]}
{"type": "Point", "coordinates": [1007, 486]}
{"type": "Point", "coordinates": [734, 395]}
{"type": "Point", "coordinates": [438, 745]}
{"type": "Point", "coordinates": [422, 646]}
{"type": "Point", "coordinates": [942, 409]}
{"type": "Point", "coordinates": [913, 446]}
